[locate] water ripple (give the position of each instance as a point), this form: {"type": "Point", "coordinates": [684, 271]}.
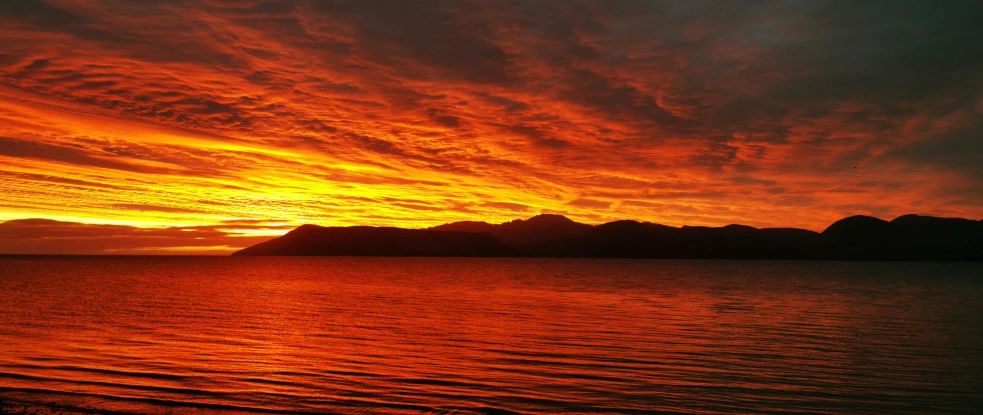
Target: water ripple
{"type": "Point", "coordinates": [489, 336]}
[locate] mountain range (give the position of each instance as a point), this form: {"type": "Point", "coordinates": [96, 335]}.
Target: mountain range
{"type": "Point", "coordinates": [908, 237]}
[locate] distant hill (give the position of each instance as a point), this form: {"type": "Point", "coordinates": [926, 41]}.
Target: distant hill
{"type": "Point", "coordinates": [311, 240]}
{"type": "Point", "coordinates": [630, 239]}
{"type": "Point", "coordinates": [909, 237]}
{"type": "Point", "coordinates": [533, 231]}
{"type": "Point", "coordinates": [906, 237]}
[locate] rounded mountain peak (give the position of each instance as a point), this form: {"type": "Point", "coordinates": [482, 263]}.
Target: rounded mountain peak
{"type": "Point", "coordinates": [549, 218]}
{"type": "Point", "coordinates": [856, 224]}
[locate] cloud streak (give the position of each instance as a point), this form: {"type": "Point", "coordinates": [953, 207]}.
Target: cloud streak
{"type": "Point", "coordinates": [42, 236]}
{"type": "Point", "coordinates": [414, 113]}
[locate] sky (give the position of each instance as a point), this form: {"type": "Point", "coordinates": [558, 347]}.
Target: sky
{"type": "Point", "coordinates": [168, 126]}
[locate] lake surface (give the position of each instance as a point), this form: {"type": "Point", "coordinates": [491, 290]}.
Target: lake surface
{"type": "Point", "coordinates": [443, 335]}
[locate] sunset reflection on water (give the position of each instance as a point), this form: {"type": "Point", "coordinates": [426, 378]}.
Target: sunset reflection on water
{"type": "Point", "coordinates": [356, 335]}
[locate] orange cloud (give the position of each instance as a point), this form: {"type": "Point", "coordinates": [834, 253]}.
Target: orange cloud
{"type": "Point", "coordinates": [414, 113]}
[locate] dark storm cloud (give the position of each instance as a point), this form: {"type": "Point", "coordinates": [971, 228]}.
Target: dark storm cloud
{"type": "Point", "coordinates": [40, 13]}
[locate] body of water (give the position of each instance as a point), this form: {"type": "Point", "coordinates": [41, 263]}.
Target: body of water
{"type": "Point", "coordinates": [442, 335]}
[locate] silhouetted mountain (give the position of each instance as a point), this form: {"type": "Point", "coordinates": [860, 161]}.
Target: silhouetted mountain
{"type": "Point", "coordinates": [630, 239]}
{"type": "Point", "coordinates": [523, 233]}
{"type": "Point", "coordinates": [311, 240]}
{"type": "Point", "coordinates": [909, 237]}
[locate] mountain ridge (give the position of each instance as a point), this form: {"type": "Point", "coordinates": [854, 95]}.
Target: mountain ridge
{"type": "Point", "coordinates": [859, 237]}
{"type": "Point", "coordinates": [522, 232]}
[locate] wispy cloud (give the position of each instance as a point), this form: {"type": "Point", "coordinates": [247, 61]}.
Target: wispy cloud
{"type": "Point", "coordinates": [43, 236]}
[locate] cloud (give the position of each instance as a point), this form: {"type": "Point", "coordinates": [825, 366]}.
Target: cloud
{"type": "Point", "coordinates": [515, 207]}
{"type": "Point", "coordinates": [39, 13]}
{"type": "Point", "coordinates": [65, 154]}
{"type": "Point", "coordinates": [613, 97]}
{"type": "Point", "coordinates": [153, 208]}
{"type": "Point", "coordinates": [42, 236]}
{"type": "Point", "coordinates": [436, 35]}
{"type": "Point", "coordinates": [590, 203]}
{"type": "Point", "coordinates": [421, 112]}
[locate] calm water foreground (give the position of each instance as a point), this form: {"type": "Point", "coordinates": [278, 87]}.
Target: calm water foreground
{"type": "Point", "coordinates": [370, 335]}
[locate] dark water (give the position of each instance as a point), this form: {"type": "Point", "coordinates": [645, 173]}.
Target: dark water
{"type": "Point", "coordinates": [370, 335]}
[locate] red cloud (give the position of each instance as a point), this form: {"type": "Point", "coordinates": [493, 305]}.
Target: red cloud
{"type": "Point", "coordinates": [374, 112]}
